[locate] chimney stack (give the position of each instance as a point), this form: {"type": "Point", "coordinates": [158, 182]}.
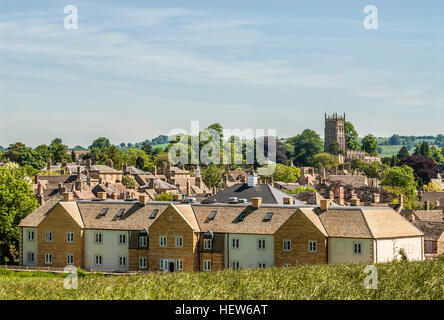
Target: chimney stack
{"type": "Point", "coordinates": [48, 164]}
{"type": "Point", "coordinates": [110, 163]}
{"type": "Point", "coordinates": [88, 164]}
{"type": "Point", "coordinates": [114, 196]}
{"type": "Point", "coordinates": [101, 195]}
{"type": "Point", "coordinates": [177, 197]}
{"type": "Point", "coordinates": [143, 198]}
{"type": "Point", "coordinates": [256, 202]}
{"type": "Point", "coordinates": [123, 167]}
{"type": "Point", "coordinates": [188, 188]}
{"type": "Point", "coordinates": [427, 205]}
{"type": "Point", "coordinates": [325, 203]}
{"type": "Point", "coordinates": [154, 170]}
{"type": "Point", "coordinates": [401, 200]}
{"type": "Point", "coordinates": [288, 200]}
{"type": "Point", "coordinates": [79, 175]}
{"type": "Point", "coordinates": [355, 202]}
{"type": "Point", "coordinates": [437, 204]}
{"type": "Point", "coordinates": [376, 198]}
{"type": "Point", "coordinates": [68, 196]}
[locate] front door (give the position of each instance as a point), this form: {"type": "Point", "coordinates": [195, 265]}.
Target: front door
{"type": "Point", "coordinates": [171, 266]}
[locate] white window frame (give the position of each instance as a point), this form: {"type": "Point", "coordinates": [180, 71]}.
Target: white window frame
{"type": "Point", "coordinates": [235, 265]}
{"type": "Point", "coordinates": [207, 265]}
{"type": "Point", "coordinates": [312, 246]}
{"type": "Point", "coordinates": [262, 265]}
{"type": "Point", "coordinates": [122, 236]}
{"type": "Point", "coordinates": [261, 244]}
{"type": "Point", "coordinates": [98, 235]}
{"type": "Point", "coordinates": [30, 235]}
{"type": "Point", "coordinates": [48, 258]}
{"type": "Point", "coordinates": [48, 236]}
{"type": "Point", "coordinates": [208, 244]}
{"type": "Point", "coordinates": [30, 254]}
{"type": "Point", "coordinates": [235, 243]}
{"type": "Point", "coordinates": [286, 245]}
{"type": "Point", "coordinates": [98, 257]}
{"type": "Point", "coordinates": [122, 261]}
{"type": "Point", "coordinates": [144, 264]}
{"type": "Point", "coordinates": [163, 264]}
{"type": "Point", "coordinates": [179, 242]}
{"type": "Point", "coordinates": [70, 258]}
{"type": "Point", "coordinates": [143, 241]}
{"type": "Point", "coordinates": [179, 264]}
{"type": "Point", "coordinates": [70, 237]}
{"type": "Point", "coordinates": [162, 241]}
{"type": "Point", "coordinates": [357, 245]}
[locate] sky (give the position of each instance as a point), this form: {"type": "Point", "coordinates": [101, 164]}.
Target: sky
{"type": "Point", "coordinates": [137, 69]}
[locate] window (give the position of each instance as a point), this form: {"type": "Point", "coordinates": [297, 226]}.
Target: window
{"type": "Point", "coordinates": [154, 213]}
{"type": "Point", "coordinates": [262, 265]}
{"type": "Point", "coordinates": [30, 256]}
{"type": "Point", "coordinates": [122, 238]}
{"type": "Point", "coordinates": [207, 244]}
{"type": "Point", "coordinates": [103, 212]}
{"type": "Point", "coordinates": [179, 242]}
{"type": "Point", "coordinates": [48, 258]}
{"type": "Point", "coordinates": [142, 262]}
{"type": "Point", "coordinates": [143, 241]}
{"type": "Point", "coordinates": [235, 243]}
{"type": "Point", "coordinates": [357, 248]}
{"type": "Point", "coordinates": [163, 264]}
{"type": "Point", "coordinates": [312, 246]}
{"type": "Point", "coordinates": [98, 237]}
{"type": "Point", "coordinates": [120, 213]}
{"type": "Point", "coordinates": [122, 261]}
{"type": "Point", "coordinates": [98, 260]}
{"type": "Point", "coordinates": [179, 264]}
{"type": "Point", "coordinates": [48, 236]}
{"type": "Point", "coordinates": [261, 244]}
{"type": "Point", "coordinates": [212, 215]}
{"type": "Point", "coordinates": [268, 216]}
{"type": "Point", "coordinates": [70, 258]}
{"type": "Point", "coordinates": [286, 265]}
{"type": "Point", "coordinates": [241, 217]}
{"type": "Point", "coordinates": [162, 241]}
{"type": "Point", "coordinates": [30, 235]}
{"type": "Point", "coordinates": [235, 265]}
{"type": "Point", "coordinates": [207, 265]}
{"type": "Point", "coordinates": [70, 237]}
{"type": "Point", "coordinates": [286, 245]}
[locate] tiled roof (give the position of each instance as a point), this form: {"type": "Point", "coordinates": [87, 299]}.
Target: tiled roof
{"type": "Point", "coordinates": [429, 215]}
{"type": "Point", "coordinates": [103, 168]}
{"type": "Point", "coordinates": [345, 223]}
{"type": "Point", "coordinates": [34, 219]}
{"type": "Point", "coordinates": [431, 230]}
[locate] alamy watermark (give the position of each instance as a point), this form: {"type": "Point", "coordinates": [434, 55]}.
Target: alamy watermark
{"type": "Point", "coordinates": [371, 281]}
{"type": "Point", "coordinates": [71, 280]}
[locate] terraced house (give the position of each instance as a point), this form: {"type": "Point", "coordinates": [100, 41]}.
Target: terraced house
{"type": "Point", "coordinates": [122, 236]}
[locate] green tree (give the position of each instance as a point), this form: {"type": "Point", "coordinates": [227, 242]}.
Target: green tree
{"type": "Point", "coordinates": [400, 180]}
{"type": "Point", "coordinates": [403, 153]}
{"type": "Point", "coordinates": [325, 160]}
{"type": "Point", "coordinates": [17, 200]}
{"type": "Point", "coordinates": [371, 170]}
{"type": "Point", "coordinates": [58, 150]}
{"type": "Point", "coordinates": [285, 173]}
{"type": "Point", "coordinates": [129, 182]}
{"type": "Point", "coordinates": [212, 177]}
{"type": "Point", "coordinates": [147, 148]}
{"type": "Point", "coordinates": [164, 197]}
{"type": "Point", "coordinates": [305, 146]}
{"type": "Point", "coordinates": [395, 140]}
{"type": "Point", "coordinates": [370, 144]}
{"type": "Point", "coordinates": [424, 149]}
{"type": "Point", "coordinates": [437, 155]}
{"type": "Point", "coordinates": [100, 143]}
{"type": "Point", "coordinates": [351, 137]}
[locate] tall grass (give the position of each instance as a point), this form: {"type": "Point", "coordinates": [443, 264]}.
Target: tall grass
{"type": "Point", "coordinates": [398, 280]}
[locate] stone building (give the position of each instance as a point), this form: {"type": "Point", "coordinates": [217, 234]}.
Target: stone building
{"type": "Point", "coordinates": [334, 134]}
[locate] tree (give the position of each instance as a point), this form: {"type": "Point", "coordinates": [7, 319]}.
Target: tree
{"type": "Point", "coordinates": [437, 155]}
{"type": "Point", "coordinates": [140, 163]}
{"type": "Point", "coordinates": [370, 145]}
{"type": "Point", "coordinates": [212, 177]}
{"type": "Point", "coordinates": [164, 197]}
{"type": "Point", "coordinates": [371, 170]}
{"type": "Point", "coordinates": [424, 168]}
{"type": "Point", "coordinates": [147, 148]}
{"type": "Point", "coordinates": [17, 200]}
{"type": "Point", "coordinates": [395, 140]}
{"type": "Point", "coordinates": [424, 149]}
{"type": "Point", "coordinates": [403, 153]}
{"type": "Point", "coordinates": [129, 182]}
{"type": "Point", "coordinates": [351, 137]}
{"type": "Point", "coordinates": [325, 160]}
{"type": "Point", "coordinates": [286, 173]}
{"type": "Point", "coordinates": [262, 143]}
{"type": "Point", "coordinates": [433, 186]}
{"type": "Point", "coordinates": [401, 181]}
{"type": "Point", "coordinates": [305, 146]}
{"type": "Point", "coordinates": [57, 150]}
{"type": "Point", "coordinates": [100, 143]}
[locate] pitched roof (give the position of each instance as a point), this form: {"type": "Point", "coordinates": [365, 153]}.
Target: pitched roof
{"type": "Point", "coordinates": [34, 219]}
{"type": "Point", "coordinates": [431, 230]}
{"type": "Point", "coordinates": [188, 213]}
{"type": "Point", "coordinates": [345, 223]}
{"type": "Point", "coordinates": [269, 194]}
{"type": "Point", "coordinates": [73, 210]}
{"type": "Point", "coordinates": [104, 168]}
{"type": "Point", "coordinates": [429, 215]}
{"type": "Point", "coordinates": [134, 170]}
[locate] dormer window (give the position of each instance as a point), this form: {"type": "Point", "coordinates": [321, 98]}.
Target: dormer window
{"type": "Point", "coordinates": [268, 216]}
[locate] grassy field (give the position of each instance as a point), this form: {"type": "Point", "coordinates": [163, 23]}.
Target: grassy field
{"type": "Point", "coordinates": [398, 280]}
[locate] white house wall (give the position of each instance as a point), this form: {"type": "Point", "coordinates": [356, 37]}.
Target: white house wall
{"type": "Point", "coordinates": [248, 254]}
{"type": "Point", "coordinates": [109, 249]}
{"type": "Point", "coordinates": [388, 249]}
{"type": "Point", "coordinates": [29, 246]}
{"type": "Point", "coordinates": [340, 250]}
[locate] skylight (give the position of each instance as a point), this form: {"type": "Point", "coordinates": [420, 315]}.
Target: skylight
{"type": "Point", "coordinates": [154, 214]}
{"type": "Point", "coordinates": [212, 215]}
{"type": "Point", "coordinates": [268, 216]}
{"type": "Point", "coordinates": [241, 216]}
{"type": "Point", "coordinates": [103, 212]}
{"type": "Point", "coordinates": [120, 213]}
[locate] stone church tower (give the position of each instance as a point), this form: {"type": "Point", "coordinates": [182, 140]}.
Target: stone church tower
{"type": "Point", "coordinates": [334, 134]}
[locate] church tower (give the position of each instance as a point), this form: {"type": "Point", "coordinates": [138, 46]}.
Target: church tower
{"type": "Point", "coordinates": [334, 134]}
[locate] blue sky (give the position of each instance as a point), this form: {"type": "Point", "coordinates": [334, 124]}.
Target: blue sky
{"type": "Point", "coordinates": [137, 69]}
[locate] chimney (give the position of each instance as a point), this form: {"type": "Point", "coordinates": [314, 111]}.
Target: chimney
{"type": "Point", "coordinates": [64, 164]}
{"type": "Point", "coordinates": [101, 195]}
{"type": "Point", "coordinates": [110, 163]}
{"type": "Point", "coordinates": [332, 195]}
{"type": "Point", "coordinates": [143, 198]}
{"type": "Point", "coordinates": [401, 200]}
{"type": "Point", "coordinates": [437, 204]}
{"type": "Point", "coordinates": [252, 178]}
{"type": "Point", "coordinates": [154, 170]}
{"type": "Point", "coordinates": [198, 181]}
{"type": "Point", "coordinates": [288, 200]}
{"type": "Point", "coordinates": [355, 202]}
{"type": "Point", "coordinates": [256, 202]}
{"type": "Point", "coordinates": [376, 198]}
{"type": "Point", "coordinates": [114, 196]}
{"type": "Point", "coordinates": [188, 188]}
{"type": "Point", "coordinates": [123, 167]}
{"type": "Point", "coordinates": [36, 179]}
{"type": "Point", "coordinates": [427, 205]}
{"type": "Point", "coordinates": [79, 175]}
{"type": "Point", "coordinates": [48, 164]}
{"type": "Point", "coordinates": [68, 196]}
{"type": "Point", "coordinates": [88, 164]}
{"type": "Point", "coordinates": [325, 203]}
{"type": "Point", "coordinates": [177, 197]}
